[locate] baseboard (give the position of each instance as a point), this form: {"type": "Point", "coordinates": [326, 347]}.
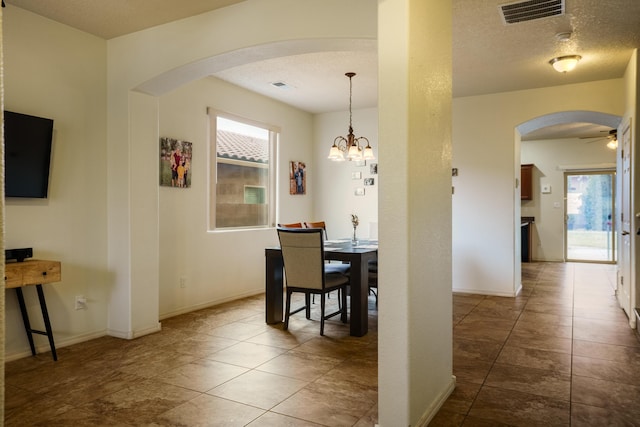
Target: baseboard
{"type": "Point", "coordinates": [432, 410]}
{"type": "Point", "coordinates": [129, 335]}
{"type": "Point", "coordinates": [208, 304]}
{"type": "Point", "coordinates": [519, 289]}
{"type": "Point", "coordinates": [59, 343]}
{"type": "Point", "coordinates": [483, 292]}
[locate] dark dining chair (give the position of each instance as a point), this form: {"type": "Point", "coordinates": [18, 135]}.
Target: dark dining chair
{"type": "Point", "coordinates": [292, 225]}
{"type": "Point", "coordinates": [304, 267]}
{"type": "Point", "coordinates": [373, 279]}
{"type": "Point", "coordinates": [317, 224]}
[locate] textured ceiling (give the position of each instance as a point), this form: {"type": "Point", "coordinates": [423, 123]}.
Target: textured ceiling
{"type": "Point", "coordinates": [488, 55]}
{"type": "Point", "coordinates": [112, 18]}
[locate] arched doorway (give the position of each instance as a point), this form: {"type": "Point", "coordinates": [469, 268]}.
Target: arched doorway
{"type": "Point", "coordinates": [560, 147]}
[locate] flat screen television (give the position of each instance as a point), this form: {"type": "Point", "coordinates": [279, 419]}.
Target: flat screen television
{"type": "Point", "coordinates": [27, 155]}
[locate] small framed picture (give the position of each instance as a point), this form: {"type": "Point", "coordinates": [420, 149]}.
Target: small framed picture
{"type": "Point", "coordinates": [359, 191]}
{"type": "Point", "coordinates": [175, 162]}
{"type": "Point", "coordinates": [361, 163]}
{"type": "Point", "coordinates": [356, 175]}
{"type": "Point", "coordinates": [368, 181]}
{"type": "Point", "coordinates": [297, 178]}
{"type": "Point", "coordinates": [373, 168]}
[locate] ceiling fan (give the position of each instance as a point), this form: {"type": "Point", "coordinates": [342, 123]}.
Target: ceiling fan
{"type": "Point", "coordinates": [612, 138]}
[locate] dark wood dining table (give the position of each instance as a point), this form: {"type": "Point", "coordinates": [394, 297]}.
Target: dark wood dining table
{"type": "Point", "coordinates": [358, 255]}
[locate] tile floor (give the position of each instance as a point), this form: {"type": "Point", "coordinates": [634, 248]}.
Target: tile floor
{"type": "Point", "coordinates": [560, 354]}
{"type": "Point", "coordinates": [221, 366]}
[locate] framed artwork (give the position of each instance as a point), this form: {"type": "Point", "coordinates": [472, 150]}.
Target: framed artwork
{"type": "Point", "coordinates": [361, 163]}
{"type": "Point", "coordinates": [356, 175]}
{"type": "Point", "coordinates": [373, 168]}
{"type": "Point", "coordinates": [368, 181]}
{"type": "Point", "coordinates": [359, 191]}
{"type": "Point", "coordinates": [175, 162]}
{"type": "Point", "coordinates": [297, 178]}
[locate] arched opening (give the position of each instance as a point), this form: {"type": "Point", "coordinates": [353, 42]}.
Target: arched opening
{"type": "Point", "coordinates": [557, 149]}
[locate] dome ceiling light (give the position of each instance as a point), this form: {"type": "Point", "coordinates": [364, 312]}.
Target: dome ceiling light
{"type": "Point", "coordinates": [563, 64]}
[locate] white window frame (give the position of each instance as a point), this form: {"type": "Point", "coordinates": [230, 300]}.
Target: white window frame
{"type": "Point", "coordinates": [271, 189]}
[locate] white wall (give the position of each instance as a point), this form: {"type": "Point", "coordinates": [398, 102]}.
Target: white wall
{"type": "Point", "coordinates": [332, 187]}
{"type": "Point", "coordinates": [548, 208]}
{"type": "Point", "coordinates": [53, 71]}
{"type": "Point", "coordinates": [484, 203]}
{"type": "Point", "coordinates": [215, 263]}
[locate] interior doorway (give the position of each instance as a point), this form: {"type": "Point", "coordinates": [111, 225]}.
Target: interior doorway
{"type": "Point", "coordinates": [590, 216]}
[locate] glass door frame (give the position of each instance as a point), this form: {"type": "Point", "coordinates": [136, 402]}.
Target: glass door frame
{"type": "Point", "coordinates": [612, 231]}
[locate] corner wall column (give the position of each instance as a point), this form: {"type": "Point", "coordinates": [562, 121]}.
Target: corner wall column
{"type": "Point", "coordinates": [133, 226]}
{"type": "Point", "coordinates": [415, 121]}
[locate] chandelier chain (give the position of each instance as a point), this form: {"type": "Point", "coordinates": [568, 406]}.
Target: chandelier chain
{"type": "Point", "coordinates": [350, 97]}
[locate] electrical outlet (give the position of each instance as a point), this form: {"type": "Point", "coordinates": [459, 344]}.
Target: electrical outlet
{"type": "Point", "coordinates": [81, 302]}
{"type": "Point", "coordinates": [183, 282]}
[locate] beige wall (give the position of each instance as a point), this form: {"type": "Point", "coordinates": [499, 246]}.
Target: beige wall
{"type": "Point", "coordinates": [214, 263]}
{"type": "Point", "coordinates": [632, 107]}
{"type": "Point", "coordinates": [53, 71]}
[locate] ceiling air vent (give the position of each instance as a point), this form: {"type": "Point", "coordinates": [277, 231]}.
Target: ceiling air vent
{"type": "Point", "coordinates": [513, 13]}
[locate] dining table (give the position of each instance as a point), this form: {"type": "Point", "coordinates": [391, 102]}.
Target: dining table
{"type": "Point", "coordinates": [357, 253]}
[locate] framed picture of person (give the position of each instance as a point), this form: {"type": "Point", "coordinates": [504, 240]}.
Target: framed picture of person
{"type": "Point", "coordinates": [175, 162]}
{"type": "Point", "coordinates": [297, 178]}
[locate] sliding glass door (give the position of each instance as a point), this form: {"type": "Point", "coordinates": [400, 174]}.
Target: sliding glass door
{"type": "Point", "coordinates": [590, 228]}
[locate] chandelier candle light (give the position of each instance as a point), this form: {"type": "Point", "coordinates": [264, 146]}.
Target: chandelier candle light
{"type": "Point", "coordinates": [350, 144]}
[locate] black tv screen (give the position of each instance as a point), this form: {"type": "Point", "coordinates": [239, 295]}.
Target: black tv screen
{"type": "Point", "coordinates": [27, 155]}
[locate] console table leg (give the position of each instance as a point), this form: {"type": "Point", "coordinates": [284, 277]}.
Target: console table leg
{"type": "Point", "coordinates": [47, 324]}
{"type": "Point", "coordinates": [25, 320]}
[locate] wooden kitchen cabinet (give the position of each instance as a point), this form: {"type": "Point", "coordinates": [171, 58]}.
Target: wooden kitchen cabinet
{"type": "Point", "coordinates": [526, 182]}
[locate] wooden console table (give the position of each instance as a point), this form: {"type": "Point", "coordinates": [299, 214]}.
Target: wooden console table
{"type": "Point", "coordinates": [29, 273]}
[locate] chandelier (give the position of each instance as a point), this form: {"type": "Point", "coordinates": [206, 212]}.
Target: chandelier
{"type": "Point", "coordinates": [350, 144]}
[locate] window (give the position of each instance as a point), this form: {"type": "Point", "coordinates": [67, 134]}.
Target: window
{"type": "Point", "coordinates": [242, 193]}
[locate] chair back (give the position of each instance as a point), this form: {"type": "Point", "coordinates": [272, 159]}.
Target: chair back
{"type": "Point", "coordinates": [292, 225]}
{"type": "Point", "coordinates": [303, 256]}
{"type": "Point", "coordinates": [318, 224]}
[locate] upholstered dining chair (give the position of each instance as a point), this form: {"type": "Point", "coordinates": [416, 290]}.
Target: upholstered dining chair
{"type": "Point", "coordinates": [329, 267]}
{"type": "Point", "coordinates": [304, 267]}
